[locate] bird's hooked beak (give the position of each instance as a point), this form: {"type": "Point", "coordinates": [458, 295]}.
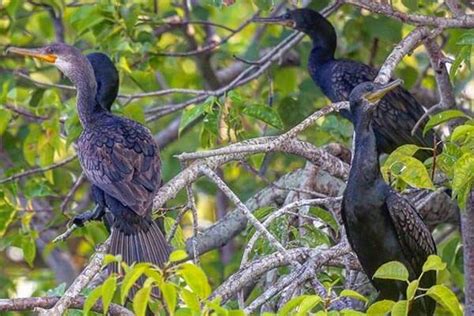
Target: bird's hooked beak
{"type": "Point", "coordinates": [38, 53]}
{"type": "Point", "coordinates": [381, 90]}
{"type": "Point", "coordinates": [282, 19]}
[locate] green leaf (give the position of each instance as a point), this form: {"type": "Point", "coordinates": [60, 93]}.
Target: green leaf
{"type": "Point", "coordinates": [5, 117]}
{"type": "Point", "coordinates": [178, 255]}
{"type": "Point", "coordinates": [411, 289]}
{"type": "Point", "coordinates": [442, 117]}
{"type": "Point", "coordinates": [392, 270]}
{"type": "Point", "coordinates": [380, 308]}
{"type": "Point", "coordinates": [291, 305]}
{"type": "Point", "coordinates": [168, 291]}
{"type": "Point", "coordinates": [108, 291]}
{"type": "Point", "coordinates": [434, 263]}
{"type": "Point", "coordinates": [264, 113]}
{"type": "Point", "coordinates": [463, 135]}
{"type": "Point", "coordinates": [407, 168]}
{"type": "Point", "coordinates": [464, 55]}
{"type": "Point", "coordinates": [348, 312]}
{"type": "Point", "coordinates": [196, 279]}
{"type": "Point", "coordinates": [324, 215]}
{"type": "Point", "coordinates": [264, 4]}
{"type": "Point", "coordinates": [140, 301]}
{"type": "Point", "coordinates": [135, 112]}
{"type": "Point", "coordinates": [191, 300]}
{"type": "Point", "coordinates": [29, 249]}
{"type": "Point", "coordinates": [7, 214]}
{"type": "Point", "coordinates": [189, 115]}
{"type": "Point", "coordinates": [91, 299]}
{"type": "Point", "coordinates": [463, 178]}
{"type": "Point", "coordinates": [446, 298]}
{"type": "Point", "coordinates": [308, 303]}
{"type": "Point", "coordinates": [130, 278]}
{"type": "Point", "coordinates": [400, 308]}
{"type": "Point", "coordinates": [354, 294]}
{"type": "Point", "coordinates": [411, 4]}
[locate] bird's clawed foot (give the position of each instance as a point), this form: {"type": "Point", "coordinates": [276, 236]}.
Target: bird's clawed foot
{"type": "Point", "coordinates": [79, 220]}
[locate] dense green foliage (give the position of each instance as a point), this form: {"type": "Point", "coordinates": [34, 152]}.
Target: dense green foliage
{"type": "Point", "coordinates": [39, 123]}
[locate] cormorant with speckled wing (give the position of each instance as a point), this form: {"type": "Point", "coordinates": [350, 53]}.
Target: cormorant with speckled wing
{"type": "Point", "coordinates": [118, 156]}
{"type": "Point", "coordinates": [381, 225]}
{"type": "Point", "coordinates": [398, 111]}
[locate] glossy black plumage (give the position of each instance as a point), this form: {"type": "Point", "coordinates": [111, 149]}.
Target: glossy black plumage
{"type": "Point", "coordinates": [381, 225]}
{"type": "Point", "coordinates": [119, 157]}
{"type": "Point", "coordinates": [396, 114]}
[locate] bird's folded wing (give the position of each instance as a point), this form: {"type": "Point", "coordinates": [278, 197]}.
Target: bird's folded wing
{"type": "Point", "coordinates": [124, 163]}
{"type": "Point", "coordinates": [415, 238]}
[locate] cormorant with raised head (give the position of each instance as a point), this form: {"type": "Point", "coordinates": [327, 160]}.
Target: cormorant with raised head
{"type": "Point", "coordinates": [381, 225]}
{"type": "Point", "coordinates": [398, 111]}
{"type": "Point", "coordinates": [118, 156]}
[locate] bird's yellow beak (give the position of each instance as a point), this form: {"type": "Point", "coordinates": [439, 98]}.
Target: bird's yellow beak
{"type": "Point", "coordinates": [276, 20]}
{"type": "Point", "coordinates": [37, 53]}
{"type": "Point", "coordinates": [381, 91]}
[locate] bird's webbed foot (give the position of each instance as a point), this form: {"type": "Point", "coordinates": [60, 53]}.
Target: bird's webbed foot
{"type": "Point", "coordinates": [94, 215]}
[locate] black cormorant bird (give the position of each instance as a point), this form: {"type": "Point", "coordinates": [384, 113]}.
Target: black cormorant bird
{"type": "Point", "coordinates": [398, 111]}
{"type": "Point", "coordinates": [118, 156]}
{"type": "Point", "coordinates": [106, 77]}
{"type": "Point", "coordinates": [381, 225]}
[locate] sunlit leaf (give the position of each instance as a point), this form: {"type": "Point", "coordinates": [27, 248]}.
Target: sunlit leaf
{"type": "Point", "coordinates": [446, 298]}
{"type": "Point", "coordinates": [130, 278]}
{"type": "Point", "coordinates": [5, 117]}
{"type": "Point", "coordinates": [411, 289]}
{"type": "Point", "coordinates": [463, 179]}
{"type": "Point", "coordinates": [178, 255]}
{"type": "Point", "coordinates": [108, 291]}
{"type": "Point", "coordinates": [400, 308]}
{"type": "Point", "coordinates": [392, 270]}
{"type": "Point", "coordinates": [191, 300]}
{"type": "Point", "coordinates": [434, 263]}
{"type": "Point", "coordinates": [140, 301]}
{"type": "Point", "coordinates": [442, 117]}
{"type": "Point", "coordinates": [380, 308]}
{"type": "Point", "coordinates": [353, 294]}
{"type": "Point", "coordinates": [169, 293]}
{"type": "Point", "coordinates": [196, 279]}
{"type": "Point", "coordinates": [91, 299]}
{"type": "Point", "coordinates": [29, 249]}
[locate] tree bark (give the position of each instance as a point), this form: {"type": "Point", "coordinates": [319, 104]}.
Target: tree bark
{"type": "Point", "coordinates": [467, 227]}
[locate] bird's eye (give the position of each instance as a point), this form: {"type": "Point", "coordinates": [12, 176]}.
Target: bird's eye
{"type": "Point", "coordinates": [49, 50]}
{"type": "Point", "coordinates": [370, 88]}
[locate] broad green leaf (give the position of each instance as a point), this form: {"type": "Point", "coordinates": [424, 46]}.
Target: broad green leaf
{"type": "Point", "coordinates": [130, 278]}
{"type": "Point", "coordinates": [178, 240]}
{"type": "Point", "coordinates": [354, 294]}
{"type": "Point", "coordinates": [5, 117]}
{"type": "Point", "coordinates": [191, 300]}
{"type": "Point", "coordinates": [264, 113]}
{"type": "Point", "coordinates": [464, 55]}
{"type": "Point", "coordinates": [442, 117]}
{"type": "Point", "coordinates": [434, 263]}
{"type": "Point", "coordinates": [108, 291]}
{"type": "Point", "coordinates": [463, 135]}
{"type": "Point", "coordinates": [264, 4]}
{"type": "Point", "coordinates": [411, 289]}
{"type": "Point", "coordinates": [400, 308]}
{"type": "Point", "coordinates": [91, 299]}
{"type": "Point", "coordinates": [308, 303]}
{"type": "Point", "coordinates": [409, 169]}
{"type": "Point", "coordinates": [446, 298]}
{"type": "Point", "coordinates": [196, 279]}
{"type": "Point", "coordinates": [7, 214]}
{"type": "Point", "coordinates": [108, 259]}
{"type": "Point", "coordinates": [178, 255]}
{"type": "Point", "coordinates": [326, 216]}
{"type": "Point", "coordinates": [349, 312]}
{"type": "Point", "coordinates": [411, 4]}
{"type": "Point", "coordinates": [140, 301]}
{"type": "Point", "coordinates": [168, 291]}
{"type": "Point", "coordinates": [189, 115]}
{"type": "Point", "coordinates": [291, 305]}
{"type": "Point", "coordinates": [463, 179]}
{"type": "Point", "coordinates": [380, 308]}
{"type": "Point", "coordinates": [29, 249]}
{"type": "Point", "coordinates": [30, 148]}
{"type": "Point", "coordinates": [392, 270]}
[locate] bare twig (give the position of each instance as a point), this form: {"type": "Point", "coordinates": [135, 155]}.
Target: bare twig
{"type": "Point", "coordinates": [32, 303]}
{"type": "Point", "coordinates": [71, 192]}
{"type": "Point", "coordinates": [37, 170]}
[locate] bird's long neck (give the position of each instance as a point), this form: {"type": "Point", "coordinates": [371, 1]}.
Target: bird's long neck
{"type": "Point", "coordinates": [324, 40]}
{"type": "Point", "coordinates": [87, 106]}
{"type": "Point", "coordinates": [365, 163]}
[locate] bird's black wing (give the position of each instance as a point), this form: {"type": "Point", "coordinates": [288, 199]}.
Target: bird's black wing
{"type": "Point", "coordinates": [415, 238]}
{"type": "Point", "coordinates": [123, 160]}
{"type": "Point", "coordinates": [398, 111]}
